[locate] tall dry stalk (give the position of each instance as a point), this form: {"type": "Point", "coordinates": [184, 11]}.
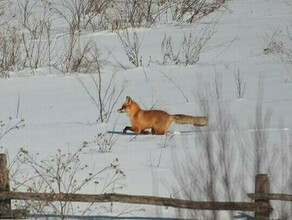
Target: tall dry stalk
{"type": "Point", "coordinates": [105, 96]}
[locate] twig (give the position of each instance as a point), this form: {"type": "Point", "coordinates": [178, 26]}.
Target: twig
{"type": "Point", "coordinates": [177, 86]}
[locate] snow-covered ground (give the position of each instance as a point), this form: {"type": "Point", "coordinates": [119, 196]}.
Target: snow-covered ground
{"type": "Point", "coordinates": [59, 113]}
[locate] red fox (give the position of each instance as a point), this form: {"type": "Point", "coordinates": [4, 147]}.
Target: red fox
{"type": "Point", "coordinates": [157, 121]}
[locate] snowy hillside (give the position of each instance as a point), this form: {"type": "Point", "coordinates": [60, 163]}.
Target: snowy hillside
{"type": "Point", "coordinates": [241, 79]}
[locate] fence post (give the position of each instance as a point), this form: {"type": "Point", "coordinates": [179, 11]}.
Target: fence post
{"type": "Point", "coordinates": [262, 185]}
{"type": "Point", "coordinates": [5, 205]}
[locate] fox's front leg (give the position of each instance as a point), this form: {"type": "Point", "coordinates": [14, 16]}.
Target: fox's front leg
{"type": "Point", "coordinates": [133, 129]}
{"type": "Point", "coordinates": [127, 128]}
{"type": "Point", "coordinates": [136, 130]}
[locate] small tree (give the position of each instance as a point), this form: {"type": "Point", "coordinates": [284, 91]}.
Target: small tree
{"type": "Point", "coordinates": [61, 173]}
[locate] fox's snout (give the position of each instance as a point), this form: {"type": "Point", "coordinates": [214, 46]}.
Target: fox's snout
{"type": "Point", "coordinates": [121, 110]}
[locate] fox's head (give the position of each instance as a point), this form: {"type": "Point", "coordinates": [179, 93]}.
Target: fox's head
{"type": "Point", "coordinates": [126, 105]}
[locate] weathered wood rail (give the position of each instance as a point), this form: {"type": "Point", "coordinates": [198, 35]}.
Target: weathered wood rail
{"type": "Point", "coordinates": [133, 199]}
{"type": "Point", "coordinates": [260, 204]}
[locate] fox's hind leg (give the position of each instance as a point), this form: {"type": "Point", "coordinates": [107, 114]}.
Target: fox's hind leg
{"type": "Point", "coordinates": [145, 131]}
{"type": "Point", "coordinates": [159, 131]}
{"type": "Point", "coordinates": [148, 131]}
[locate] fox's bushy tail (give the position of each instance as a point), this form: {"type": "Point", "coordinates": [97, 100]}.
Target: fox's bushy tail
{"type": "Point", "coordinates": [189, 119]}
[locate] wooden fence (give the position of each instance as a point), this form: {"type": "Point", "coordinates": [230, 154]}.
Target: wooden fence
{"type": "Point", "coordinates": [260, 204]}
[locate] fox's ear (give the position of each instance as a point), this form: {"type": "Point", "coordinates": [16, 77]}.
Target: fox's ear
{"type": "Point", "coordinates": [128, 99]}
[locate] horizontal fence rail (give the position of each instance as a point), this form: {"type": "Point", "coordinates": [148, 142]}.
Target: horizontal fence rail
{"type": "Point", "coordinates": [100, 217]}
{"type": "Point", "coordinates": [137, 199]}
{"type": "Point", "coordinates": [270, 196]}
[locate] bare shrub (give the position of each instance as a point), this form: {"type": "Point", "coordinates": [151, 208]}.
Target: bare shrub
{"type": "Point", "coordinates": [280, 48]}
{"type": "Point", "coordinates": [95, 12]}
{"type": "Point", "coordinates": [260, 133]}
{"type": "Point", "coordinates": [195, 44]}
{"type": "Point", "coordinates": [144, 13]}
{"type": "Point", "coordinates": [135, 12]}
{"type": "Point", "coordinates": [25, 12]}
{"type": "Point", "coordinates": [32, 16]}
{"type": "Point", "coordinates": [131, 45]}
{"type": "Point", "coordinates": [240, 83]}
{"type": "Point", "coordinates": [79, 57]}
{"type": "Point", "coordinates": [197, 177]}
{"type": "Point", "coordinates": [111, 15]}
{"type": "Point", "coordinates": [284, 209]}
{"type": "Point", "coordinates": [272, 43]}
{"type": "Point", "coordinates": [72, 11]}
{"type": "Point", "coordinates": [168, 53]}
{"type": "Point", "coordinates": [10, 43]}
{"type": "Point", "coordinates": [35, 52]}
{"type": "Point", "coordinates": [118, 15]}
{"type": "Point", "coordinates": [219, 140]}
{"type": "Point", "coordinates": [105, 142]}
{"type": "Point", "coordinates": [192, 10]}
{"type": "Point", "coordinates": [226, 158]}
{"type": "Point", "coordinates": [67, 59]}
{"type": "Point", "coordinates": [4, 6]}
{"type": "Point", "coordinates": [61, 173]}
{"type": "Point", "coordinates": [84, 14]}
{"type": "Point", "coordinates": [49, 39]}
{"type": "Point", "coordinates": [79, 14]}
{"type": "Point", "coordinates": [131, 13]}
{"type": "Point", "coordinates": [154, 11]}
{"type": "Point", "coordinates": [32, 24]}
{"type": "Point", "coordinates": [104, 97]}
{"type": "Point", "coordinates": [76, 59]}
{"type": "Point", "coordinates": [271, 159]}
{"type": "Point", "coordinates": [209, 171]}
{"type": "Point", "coordinates": [192, 46]}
